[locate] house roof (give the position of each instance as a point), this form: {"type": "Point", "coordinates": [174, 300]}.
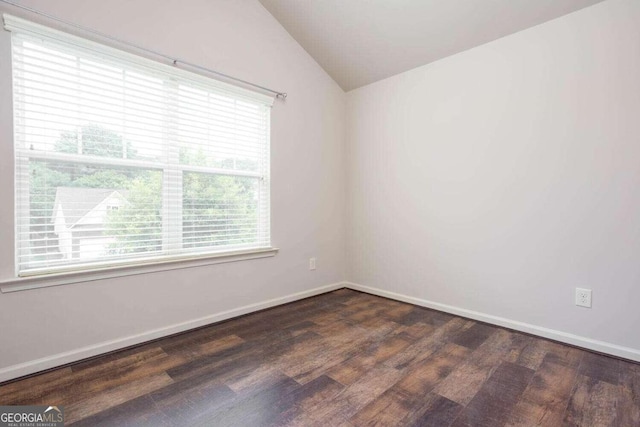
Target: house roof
{"type": "Point", "coordinates": [77, 202]}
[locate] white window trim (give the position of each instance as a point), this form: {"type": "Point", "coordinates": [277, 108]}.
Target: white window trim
{"type": "Point", "coordinates": [88, 272]}
{"type": "Point", "coordinates": [132, 269]}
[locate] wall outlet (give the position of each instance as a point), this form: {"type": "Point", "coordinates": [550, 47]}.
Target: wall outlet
{"type": "Point", "coordinates": [583, 297]}
{"type": "Point", "coordinates": [312, 263]}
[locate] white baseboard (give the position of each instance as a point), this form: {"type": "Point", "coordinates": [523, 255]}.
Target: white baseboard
{"type": "Point", "coordinates": [588, 343]}
{"type": "Point", "coordinates": [33, 366]}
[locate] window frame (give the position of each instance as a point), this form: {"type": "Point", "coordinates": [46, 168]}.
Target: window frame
{"type": "Point", "coordinates": [69, 272]}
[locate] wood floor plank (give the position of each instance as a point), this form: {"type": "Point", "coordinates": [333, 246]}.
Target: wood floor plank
{"type": "Point", "coordinates": [352, 369]}
{"type": "Point", "coordinates": [593, 403]}
{"type": "Point", "coordinates": [427, 316]}
{"type": "Point", "coordinates": [308, 398]}
{"type": "Point", "coordinates": [400, 403]}
{"type": "Point", "coordinates": [28, 389]}
{"type": "Point", "coordinates": [544, 401]}
{"type": "Point", "coordinates": [211, 403]}
{"type": "Point", "coordinates": [259, 409]}
{"type": "Point", "coordinates": [493, 403]}
{"type": "Point", "coordinates": [338, 346]}
{"type": "Point", "coordinates": [396, 313]}
{"type": "Point", "coordinates": [59, 384]}
{"type": "Point", "coordinates": [628, 406]}
{"type": "Point", "coordinates": [420, 378]}
{"type": "Point", "coordinates": [185, 401]}
{"type": "Point", "coordinates": [368, 355]}
{"type": "Point", "coordinates": [532, 354]}
{"type": "Point", "coordinates": [436, 411]}
{"type": "Point", "coordinates": [423, 348]}
{"type": "Point", "coordinates": [519, 344]}
{"type": "Point", "coordinates": [336, 298]}
{"type": "Point", "coordinates": [355, 396]}
{"type": "Point", "coordinates": [415, 315]}
{"type": "Point", "coordinates": [474, 336]}
{"type": "Point", "coordinates": [326, 318]}
{"type": "Point", "coordinates": [287, 324]}
{"type": "Point", "coordinates": [417, 330]}
{"type": "Point", "coordinates": [341, 332]}
{"type": "Point", "coordinates": [251, 380]}
{"type": "Point", "coordinates": [388, 409]}
{"type": "Point", "coordinates": [140, 411]}
{"type": "Point", "coordinates": [96, 379]}
{"type": "Point", "coordinates": [197, 350]}
{"type": "Point", "coordinates": [245, 356]}
{"type": "Point", "coordinates": [92, 404]}
{"type": "Point", "coordinates": [370, 313]}
{"type": "Point", "coordinates": [601, 368]}
{"type": "Point", "coordinates": [564, 354]}
{"type": "Point", "coordinates": [465, 381]}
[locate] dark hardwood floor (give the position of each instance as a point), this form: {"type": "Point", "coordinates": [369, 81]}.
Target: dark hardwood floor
{"type": "Point", "coordinates": [343, 359]}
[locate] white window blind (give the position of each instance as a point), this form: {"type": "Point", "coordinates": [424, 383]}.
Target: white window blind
{"type": "Point", "coordinates": [120, 159]}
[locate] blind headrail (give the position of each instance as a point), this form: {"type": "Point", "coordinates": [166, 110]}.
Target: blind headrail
{"type": "Point", "coordinates": [177, 62]}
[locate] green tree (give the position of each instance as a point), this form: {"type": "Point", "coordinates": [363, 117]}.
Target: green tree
{"type": "Point", "coordinates": [101, 177]}
{"type": "Point", "coordinates": [217, 208]}
{"type": "Point", "coordinates": [137, 226]}
{"type": "Point", "coordinates": [95, 140]}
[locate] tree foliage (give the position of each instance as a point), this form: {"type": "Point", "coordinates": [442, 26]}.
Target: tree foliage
{"type": "Point", "coordinates": [94, 140]}
{"type": "Point", "coordinates": [217, 207]}
{"type": "Point", "coordinates": [137, 225]}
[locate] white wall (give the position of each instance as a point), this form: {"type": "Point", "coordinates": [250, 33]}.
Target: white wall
{"type": "Point", "coordinates": [239, 38]}
{"type": "Point", "coordinates": [499, 179]}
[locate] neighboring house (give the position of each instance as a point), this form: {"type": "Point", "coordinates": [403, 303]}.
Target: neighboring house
{"type": "Point", "coordinates": [79, 217]}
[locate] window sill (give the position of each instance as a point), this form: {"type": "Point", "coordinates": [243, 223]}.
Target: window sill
{"type": "Point", "coordinates": [44, 281]}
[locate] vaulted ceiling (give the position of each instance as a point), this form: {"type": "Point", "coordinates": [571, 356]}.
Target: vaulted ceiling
{"type": "Point", "coordinates": [362, 41]}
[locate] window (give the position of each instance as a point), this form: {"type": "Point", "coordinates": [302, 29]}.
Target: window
{"type": "Point", "coordinates": [120, 159]}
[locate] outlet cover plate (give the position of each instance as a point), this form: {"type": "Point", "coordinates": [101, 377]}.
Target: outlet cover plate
{"type": "Point", "coordinates": [583, 297]}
